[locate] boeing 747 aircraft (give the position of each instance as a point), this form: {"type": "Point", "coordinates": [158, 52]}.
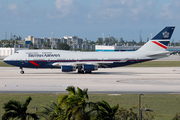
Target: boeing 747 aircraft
{"type": "Point", "coordinates": [87, 62]}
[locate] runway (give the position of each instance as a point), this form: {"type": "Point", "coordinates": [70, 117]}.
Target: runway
{"type": "Point", "coordinates": [115, 80]}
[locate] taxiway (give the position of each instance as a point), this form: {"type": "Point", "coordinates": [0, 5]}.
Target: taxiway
{"type": "Point", "coordinates": [116, 80]}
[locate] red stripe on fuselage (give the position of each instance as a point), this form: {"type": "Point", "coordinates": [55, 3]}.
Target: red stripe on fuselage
{"type": "Point", "coordinates": [34, 63]}
{"type": "Point", "coordinates": [163, 46]}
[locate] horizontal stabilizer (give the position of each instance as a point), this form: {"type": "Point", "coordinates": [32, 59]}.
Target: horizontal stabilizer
{"type": "Point", "coordinates": [158, 54]}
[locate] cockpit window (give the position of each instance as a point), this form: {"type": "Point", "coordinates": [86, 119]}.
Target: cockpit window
{"type": "Point", "coordinates": [16, 52]}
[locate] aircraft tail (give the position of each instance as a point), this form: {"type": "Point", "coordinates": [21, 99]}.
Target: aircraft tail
{"type": "Point", "coordinates": [160, 41]}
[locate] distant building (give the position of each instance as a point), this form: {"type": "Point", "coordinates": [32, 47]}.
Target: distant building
{"type": "Point", "coordinates": [73, 41]}
{"type": "Point", "coordinates": [9, 51]}
{"type": "Point", "coordinates": [29, 39]}
{"type": "Point", "coordinates": [129, 48]}
{"type": "Point", "coordinates": [115, 48]}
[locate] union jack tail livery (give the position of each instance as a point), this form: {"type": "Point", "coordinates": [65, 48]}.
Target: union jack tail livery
{"type": "Point", "coordinates": [160, 41]}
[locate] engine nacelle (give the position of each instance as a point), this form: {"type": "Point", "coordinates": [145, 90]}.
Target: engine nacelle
{"type": "Point", "coordinates": [90, 67]}
{"type": "Point", "coordinates": [66, 68]}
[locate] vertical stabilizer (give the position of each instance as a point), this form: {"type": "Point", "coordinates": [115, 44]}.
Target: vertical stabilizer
{"type": "Point", "coordinates": [160, 41]}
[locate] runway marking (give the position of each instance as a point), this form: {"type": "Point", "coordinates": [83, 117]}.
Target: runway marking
{"type": "Point", "coordinates": [149, 79]}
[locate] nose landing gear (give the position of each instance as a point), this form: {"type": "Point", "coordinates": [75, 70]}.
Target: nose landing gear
{"type": "Point", "coordinates": [22, 72]}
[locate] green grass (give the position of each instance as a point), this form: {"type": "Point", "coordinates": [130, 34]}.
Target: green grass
{"type": "Point", "coordinates": [3, 64]}
{"type": "Point", "coordinates": [165, 106]}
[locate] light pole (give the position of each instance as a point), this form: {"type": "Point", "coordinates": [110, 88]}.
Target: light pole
{"type": "Point", "coordinates": [148, 110]}
{"type": "Point", "coordinates": [140, 109]}
{"type": "Point", "coordinates": [140, 104]}
{"type": "Point", "coordinates": [52, 40]}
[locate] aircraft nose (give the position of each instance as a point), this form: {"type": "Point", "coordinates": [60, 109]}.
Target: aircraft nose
{"type": "Point", "coordinates": [5, 59]}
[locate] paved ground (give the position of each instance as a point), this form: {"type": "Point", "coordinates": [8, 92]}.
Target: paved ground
{"type": "Point", "coordinates": [116, 80]}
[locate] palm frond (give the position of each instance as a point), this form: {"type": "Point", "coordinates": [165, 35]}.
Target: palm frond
{"type": "Point", "coordinates": [28, 100]}
{"type": "Point", "coordinates": [85, 93]}
{"type": "Point", "coordinates": [62, 99]}
{"type": "Point", "coordinates": [80, 93]}
{"type": "Point", "coordinates": [32, 115]}
{"type": "Point", "coordinates": [12, 105]}
{"type": "Point", "coordinates": [71, 90]}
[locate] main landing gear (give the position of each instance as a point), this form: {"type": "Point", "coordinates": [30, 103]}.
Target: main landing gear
{"type": "Point", "coordinates": [22, 72]}
{"type": "Point", "coordinates": [82, 71]}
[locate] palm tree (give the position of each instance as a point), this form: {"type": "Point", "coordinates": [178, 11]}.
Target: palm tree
{"type": "Point", "coordinates": [52, 112]}
{"type": "Point", "coordinates": [74, 103]}
{"type": "Point", "coordinates": [16, 109]}
{"type": "Point", "coordinates": [105, 111]}
{"type": "Point", "coordinates": [124, 114]}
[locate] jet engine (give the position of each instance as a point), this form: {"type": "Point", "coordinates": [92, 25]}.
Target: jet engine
{"type": "Point", "coordinates": [90, 67]}
{"type": "Point", "coordinates": [66, 68]}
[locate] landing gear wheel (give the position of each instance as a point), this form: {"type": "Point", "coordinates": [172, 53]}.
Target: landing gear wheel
{"type": "Point", "coordinates": [22, 72]}
{"type": "Point", "coordinates": [80, 71]}
{"type": "Point", "coordinates": [88, 71]}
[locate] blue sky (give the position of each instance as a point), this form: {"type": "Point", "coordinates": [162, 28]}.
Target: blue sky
{"type": "Point", "coordinates": [89, 18]}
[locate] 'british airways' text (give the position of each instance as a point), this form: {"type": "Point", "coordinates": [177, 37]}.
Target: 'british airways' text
{"type": "Point", "coordinates": [43, 55]}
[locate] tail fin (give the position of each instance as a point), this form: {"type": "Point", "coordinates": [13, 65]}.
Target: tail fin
{"type": "Point", "coordinates": [160, 41]}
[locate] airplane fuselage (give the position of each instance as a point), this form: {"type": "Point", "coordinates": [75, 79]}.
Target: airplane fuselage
{"type": "Point", "coordinates": [89, 61]}
{"type": "Point", "coordinates": [46, 58]}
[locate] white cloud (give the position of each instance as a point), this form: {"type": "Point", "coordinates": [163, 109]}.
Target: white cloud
{"type": "Point", "coordinates": [12, 6]}
{"type": "Point", "coordinates": [166, 11]}
{"type": "Point", "coordinates": [177, 3]}
{"type": "Point", "coordinates": [150, 2]}
{"type": "Point", "coordinates": [63, 6]}
{"type": "Point", "coordinates": [89, 16]}
{"type": "Point", "coordinates": [170, 10]}
{"type": "Point", "coordinates": [122, 1]}
{"type": "Point", "coordinates": [63, 3]}
{"type": "Point", "coordinates": [118, 9]}
{"type": "Point", "coordinates": [126, 10]}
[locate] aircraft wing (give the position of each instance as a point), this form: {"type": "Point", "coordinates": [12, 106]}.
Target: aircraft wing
{"type": "Point", "coordinates": [97, 63]}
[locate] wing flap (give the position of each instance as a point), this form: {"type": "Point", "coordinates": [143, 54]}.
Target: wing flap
{"type": "Point", "coordinates": [59, 64]}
